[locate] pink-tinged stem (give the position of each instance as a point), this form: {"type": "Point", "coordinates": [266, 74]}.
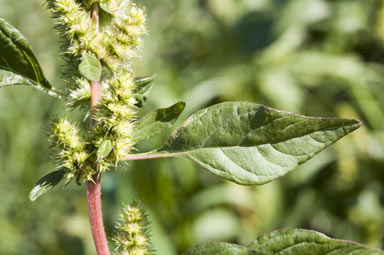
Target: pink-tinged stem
{"type": "Point", "coordinates": [145, 156]}
{"type": "Point", "coordinates": [96, 216]}
{"type": "Point", "coordinates": [95, 98]}
{"type": "Point", "coordinates": [94, 191]}
{"type": "Point", "coordinates": [94, 188]}
{"type": "Point", "coordinates": [95, 15]}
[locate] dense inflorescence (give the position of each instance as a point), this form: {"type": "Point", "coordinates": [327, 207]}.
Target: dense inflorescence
{"type": "Point", "coordinates": [113, 36]}
{"type": "Point", "coordinates": [131, 235]}
{"type": "Point", "coordinates": [71, 152]}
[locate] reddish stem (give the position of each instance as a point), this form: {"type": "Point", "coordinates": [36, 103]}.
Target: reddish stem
{"type": "Point", "coordinates": [95, 98]}
{"type": "Point", "coordinates": [94, 188]}
{"type": "Point", "coordinates": [94, 191]}
{"type": "Point", "coordinates": [96, 216]}
{"type": "Point", "coordinates": [95, 15]}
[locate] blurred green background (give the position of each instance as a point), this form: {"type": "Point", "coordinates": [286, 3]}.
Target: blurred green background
{"type": "Point", "coordinates": [314, 57]}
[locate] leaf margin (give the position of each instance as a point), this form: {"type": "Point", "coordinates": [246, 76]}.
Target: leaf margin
{"type": "Point", "coordinates": [22, 45]}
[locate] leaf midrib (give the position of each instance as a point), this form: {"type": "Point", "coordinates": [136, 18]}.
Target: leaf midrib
{"type": "Point", "coordinates": [255, 145]}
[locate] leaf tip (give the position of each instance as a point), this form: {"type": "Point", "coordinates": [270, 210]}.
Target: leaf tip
{"type": "Point", "coordinates": [34, 194]}
{"type": "Point", "coordinates": [46, 183]}
{"type": "Point", "coordinates": [353, 124]}
{"type": "Point", "coordinates": [181, 106]}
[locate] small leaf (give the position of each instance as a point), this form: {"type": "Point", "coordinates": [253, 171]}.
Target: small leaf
{"type": "Point", "coordinates": [217, 248]}
{"type": "Point", "coordinates": [249, 143]}
{"type": "Point", "coordinates": [17, 56]}
{"type": "Point", "coordinates": [90, 67]}
{"type": "Point", "coordinates": [142, 82]}
{"type": "Point", "coordinates": [304, 242]}
{"type": "Point", "coordinates": [157, 121]}
{"type": "Point", "coordinates": [104, 149]}
{"type": "Point", "coordinates": [106, 73]}
{"type": "Point", "coordinates": [143, 88]}
{"type": "Point", "coordinates": [105, 7]}
{"type": "Point", "coordinates": [46, 183]}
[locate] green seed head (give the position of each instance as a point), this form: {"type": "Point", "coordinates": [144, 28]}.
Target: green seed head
{"type": "Point", "coordinates": [65, 135]}
{"type": "Point", "coordinates": [131, 235]}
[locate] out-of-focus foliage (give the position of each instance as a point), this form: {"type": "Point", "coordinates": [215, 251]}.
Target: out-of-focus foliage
{"type": "Point", "coordinates": [315, 57]}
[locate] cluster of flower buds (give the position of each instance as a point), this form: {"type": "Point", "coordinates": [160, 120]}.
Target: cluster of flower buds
{"type": "Point", "coordinates": [112, 36]}
{"type": "Point", "coordinates": [131, 235]}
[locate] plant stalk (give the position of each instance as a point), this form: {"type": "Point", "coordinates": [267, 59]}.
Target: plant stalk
{"type": "Point", "coordinates": [94, 187]}
{"type": "Point", "coordinates": [148, 156]}
{"type": "Point", "coordinates": [96, 216]}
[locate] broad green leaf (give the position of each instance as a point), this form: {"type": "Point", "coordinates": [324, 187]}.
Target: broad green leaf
{"type": "Point", "coordinates": [143, 88]}
{"type": "Point", "coordinates": [249, 143]}
{"type": "Point", "coordinates": [46, 183]}
{"type": "Point", "coordinates": [287, 242]}
{"type": "Point", "coordinates": [90, 67]}
{"type": "Point", "coordinates": [217, 248]}
{"type": "Point", "coordinates": [17, 56]}
{"type": "Point", "coordinates": [104, 149]}
{"type": "Point", "coordinates": [157, 121]}
{"type": "Point", "coordinates": [305, 242]}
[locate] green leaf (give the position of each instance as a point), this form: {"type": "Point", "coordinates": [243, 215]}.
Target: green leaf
{"type": "Point", "coordinates": [287, 242]}
{"type": "Point", "coordinates": [106, 73]}
{"type": "Point", "coordinates": [8, 78]}
{"type": "Point", "coordinates": [249, 143]}
{"type": "Point", "coordinates": [157, 121]}
{"type": "Point", "coordinates": [304, 242]}
{"type": "Point", "coordinates": [217, 248]}
{"type": "Point", "coordinates": [104, 149]}
{"type": "Point", "coordinates": [17, 56]}
{"type": "Point", "coordinates": [105, 7]}
{"type": "Point", "coordinates": [90, 67]}
{"type": "Point", "coordinates": [46, 183]}
{"type": "Point", "coordinates": [143, 88]}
